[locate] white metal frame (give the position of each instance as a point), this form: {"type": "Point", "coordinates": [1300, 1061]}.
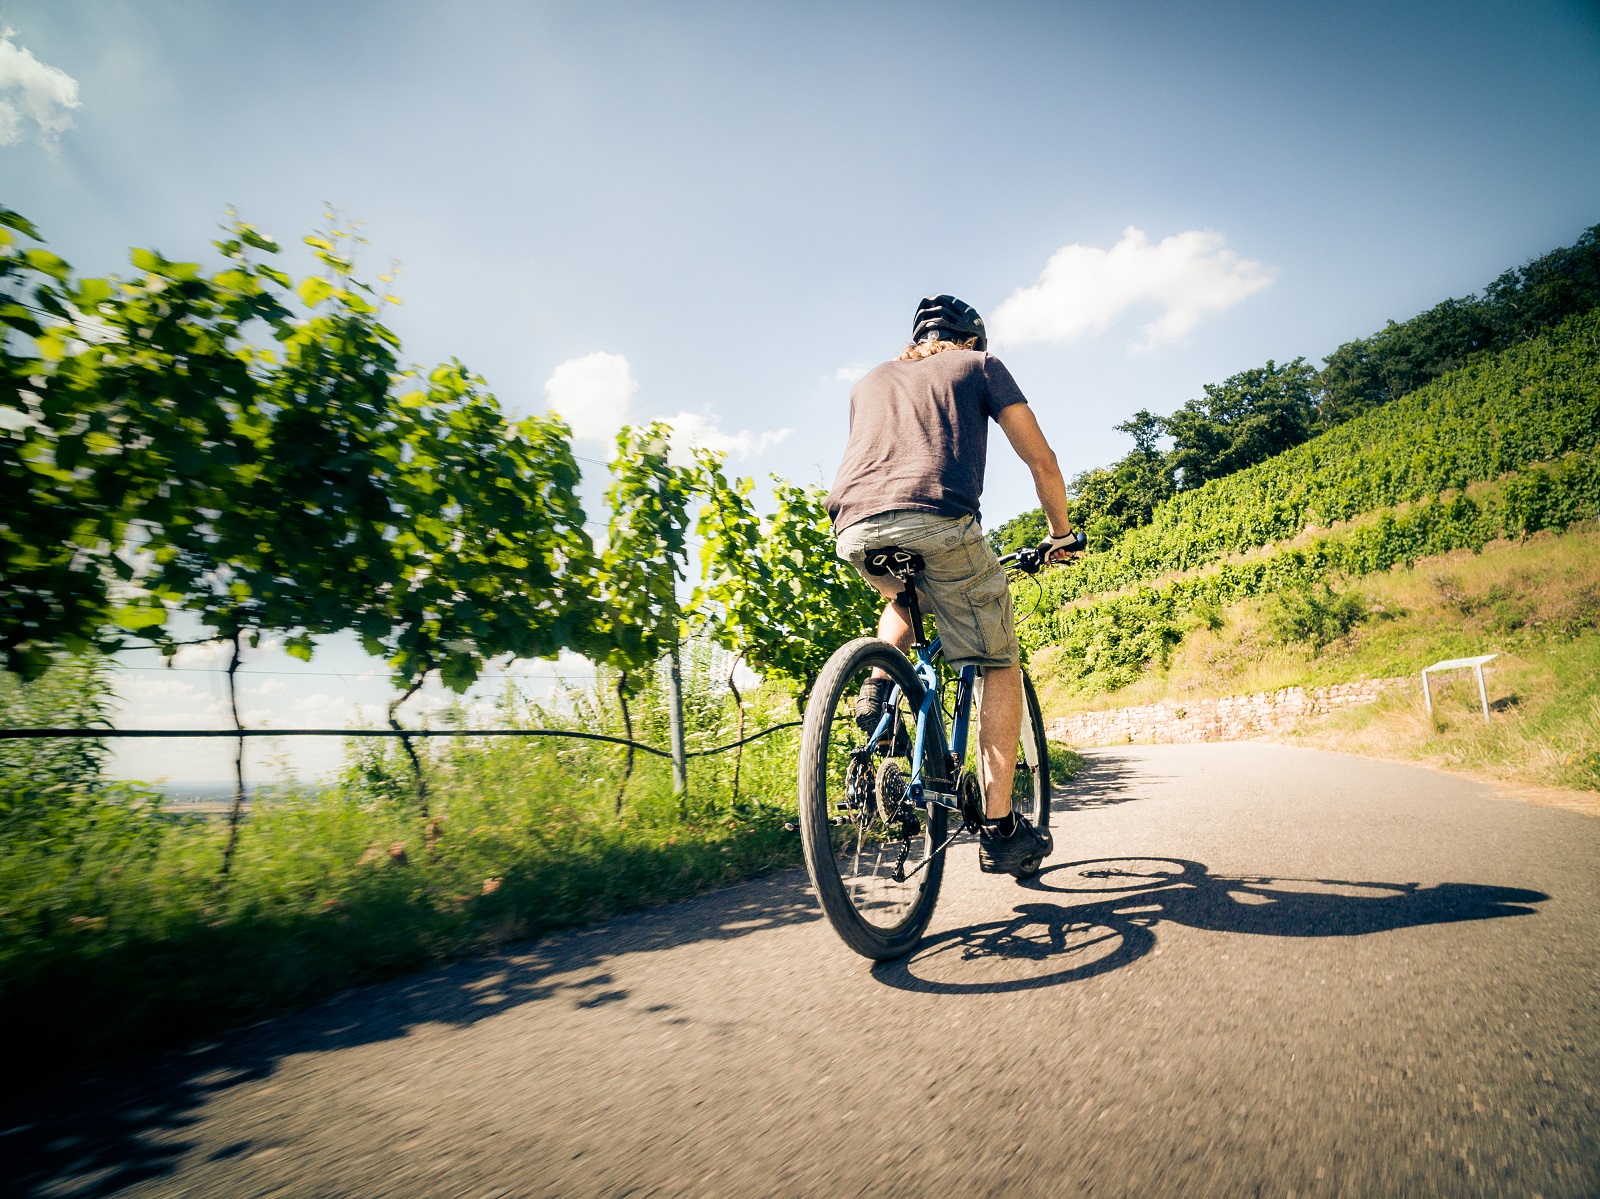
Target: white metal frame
{"type": "Point", "coordinates": [1473, 664]}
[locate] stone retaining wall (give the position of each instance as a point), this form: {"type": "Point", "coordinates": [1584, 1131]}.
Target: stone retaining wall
{"type": "Point", "coordinates": [1232, 718]}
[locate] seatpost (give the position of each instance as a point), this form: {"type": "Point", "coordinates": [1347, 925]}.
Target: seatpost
{"type": "Point", "coordinates": [908, 599]}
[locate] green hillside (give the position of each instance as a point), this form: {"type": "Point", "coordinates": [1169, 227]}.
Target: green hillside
{"type": "Point", "coordinates": [1388, 487]}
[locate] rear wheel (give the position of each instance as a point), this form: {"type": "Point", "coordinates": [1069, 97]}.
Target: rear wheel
{"type": "Point", "coordinates": [870, 852]}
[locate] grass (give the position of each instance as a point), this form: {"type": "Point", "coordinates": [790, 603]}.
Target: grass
{"type": "Point", "coordinates": [1535, 602]}
{"type": "Point", "coordinates": [115, 935]}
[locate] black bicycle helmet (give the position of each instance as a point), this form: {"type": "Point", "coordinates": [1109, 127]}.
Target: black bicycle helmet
{"type": "Point", "coordinates": [948, 319]}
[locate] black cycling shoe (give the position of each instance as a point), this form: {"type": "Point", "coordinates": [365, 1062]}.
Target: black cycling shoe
{"type": "Point", "coordinates": [1020, 854]}
{"type": "Point", "coordinates": [869, 704]}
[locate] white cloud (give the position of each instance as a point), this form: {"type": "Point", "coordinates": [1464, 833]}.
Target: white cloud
{"type": "Point", "coordinates": [325, 711]}
{"type": "Point", "coordinates": [692, 430]}
{"type": "Point", "coordinates": [265, 687]}
{"type": "Point", "coordinates": [161, 688]}
{"type": "Point", "coordinates": [1082, 289]}
{"type": "Point", "coordinates": [216, 653]}
{"type": "Point", "coordinates": [44, 93]}
{"type": "Point", "coordinates": [850, 372]}
{"type": "Point", "coordinates": [592, 394]}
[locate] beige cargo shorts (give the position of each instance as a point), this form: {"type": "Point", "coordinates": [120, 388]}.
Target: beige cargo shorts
{"type": "Point", "coordinates": [963, 585]}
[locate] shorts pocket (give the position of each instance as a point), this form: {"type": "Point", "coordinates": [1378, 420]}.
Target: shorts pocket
{"type": "Point", "coordinates": [990, 600]}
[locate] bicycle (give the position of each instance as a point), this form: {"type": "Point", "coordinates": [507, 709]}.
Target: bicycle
{"type": "Point", "coordinates": [875, 807]}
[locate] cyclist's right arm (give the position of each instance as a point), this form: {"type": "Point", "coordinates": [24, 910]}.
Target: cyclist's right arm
{"type": "Point", "coordinates": [1021, 428]}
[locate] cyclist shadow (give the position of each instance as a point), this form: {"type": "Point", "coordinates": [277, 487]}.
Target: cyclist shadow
{"type": "Point", "coordinates": [1110, 908]}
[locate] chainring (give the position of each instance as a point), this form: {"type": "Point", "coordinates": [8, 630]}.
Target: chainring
{"type": "Point", "coordinates": [970, 796]}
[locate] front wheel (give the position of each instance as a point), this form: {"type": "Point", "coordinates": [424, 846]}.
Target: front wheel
{"type": "Point", "coordinates": [875, 859]}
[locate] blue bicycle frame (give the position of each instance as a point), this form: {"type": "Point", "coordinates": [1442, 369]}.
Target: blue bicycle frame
{"type": "Point", "coordinates": [930, 721]}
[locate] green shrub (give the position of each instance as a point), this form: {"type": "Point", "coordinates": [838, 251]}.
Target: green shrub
{"type": "Point", "coordinates": [1314, 616]}
{"type": "Point", "coordinates": [1065, 763]}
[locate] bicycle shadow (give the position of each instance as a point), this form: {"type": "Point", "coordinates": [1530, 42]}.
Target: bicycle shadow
{"type": "Point", "coordinates": [1112, 906]}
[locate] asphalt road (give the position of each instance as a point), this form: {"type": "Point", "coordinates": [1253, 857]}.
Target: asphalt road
{"type": "Point", "coordinates": [1247, 971]}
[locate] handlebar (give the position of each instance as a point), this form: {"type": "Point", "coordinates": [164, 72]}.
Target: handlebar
{"type": "Point", "coordinates": [1030, 561]}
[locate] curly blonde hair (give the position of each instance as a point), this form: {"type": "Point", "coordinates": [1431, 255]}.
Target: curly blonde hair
{"type": "Point", "coordinates": [935, 345]}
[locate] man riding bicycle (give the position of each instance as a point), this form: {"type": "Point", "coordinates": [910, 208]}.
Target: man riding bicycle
{"type": "Point", "coordinates": [911, 477]}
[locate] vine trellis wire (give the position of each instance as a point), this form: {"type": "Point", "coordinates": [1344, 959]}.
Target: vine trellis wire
{"type": "Point", "coordinates": [18, 734]}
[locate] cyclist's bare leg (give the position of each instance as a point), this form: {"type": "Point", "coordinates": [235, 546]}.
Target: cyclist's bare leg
{"type": "Point", "coordinates": [895, 628]}
{"type": "Point", "coordinates": [999, 730]}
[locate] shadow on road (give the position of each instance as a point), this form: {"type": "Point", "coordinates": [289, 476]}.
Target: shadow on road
{"type": "Point", "coordinates": [1108, 910]}
{"type": "Point", "coordinates": [99, 1135]}
{"type": "Point", "coordinates": [1103, 780]}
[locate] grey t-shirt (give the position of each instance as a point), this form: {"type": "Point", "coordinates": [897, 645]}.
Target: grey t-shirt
{"type": "Point", "coordinates": [919, 436]}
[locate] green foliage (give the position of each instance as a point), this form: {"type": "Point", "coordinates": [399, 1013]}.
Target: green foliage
{"type": "Point", "coordinates": [644, 558]}
{"type": "Point", "coordinates": [54, 802]}
{"type": "Point", "coordinates": [71, 693]}
{"type": "Point", "coordinates": [291, 528]}
{"type": "Point", "coordinates": [1106, 643]}
{"type": "Point", "coordinates": [1245, 419]}
{"type": "Point", "coordinates": [1314, 616]}
{"type": "Point", "coordinates": [123, 403]}
{"type": "Point", "coordinates": [1028, 529]}
{"type": "Point", "coordinates": [1065, 763]}
{"type": "Point", "coordinates": [1531, 403]}
{"type": "Point", "coordinates": [774, 589]}
{"type": "Point", "coordinates": [161, 458]}
{"type": "Point", "coordinates": [487, 534]}
{"type": "Point", "coordinates": [1109, 500]}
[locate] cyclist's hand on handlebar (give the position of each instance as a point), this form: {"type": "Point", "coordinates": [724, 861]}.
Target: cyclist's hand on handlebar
{"type": "Point", "coordinates": [1031, 559]}
{"type": "Point", "coordinates": [1058, 549]}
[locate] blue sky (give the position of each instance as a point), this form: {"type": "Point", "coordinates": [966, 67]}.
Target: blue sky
{"type": "Point", "coordinates": [738, 205]}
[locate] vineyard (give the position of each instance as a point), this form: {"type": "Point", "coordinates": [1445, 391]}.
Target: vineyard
{"type": "Point", "coordinates": [242, 449]}
{"type": "Point", "coordinates": [1527, 418]}
{"type": "Point", "coordinates": [250, 450]}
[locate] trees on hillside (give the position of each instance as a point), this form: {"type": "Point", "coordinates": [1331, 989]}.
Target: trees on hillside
{"type": "Point", "coordinates": [1402, 356]}
{"type": "Point", "coordinates": [1245, 419]}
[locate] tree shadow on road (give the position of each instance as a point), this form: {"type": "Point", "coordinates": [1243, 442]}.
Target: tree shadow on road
{"type": "Point", "coordinates": [98, 1135]}
{"type": "Point", "coordinates": [1109, 908]}
{"type": "Point", "coordinates": [1102, 780]}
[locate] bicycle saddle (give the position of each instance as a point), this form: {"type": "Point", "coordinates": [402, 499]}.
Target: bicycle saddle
{"type": "Point", "coordinates": [892, 560]}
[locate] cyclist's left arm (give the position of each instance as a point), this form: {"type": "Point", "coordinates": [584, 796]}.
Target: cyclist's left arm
{"type": "Point", "coordinates": [1021, 428]}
